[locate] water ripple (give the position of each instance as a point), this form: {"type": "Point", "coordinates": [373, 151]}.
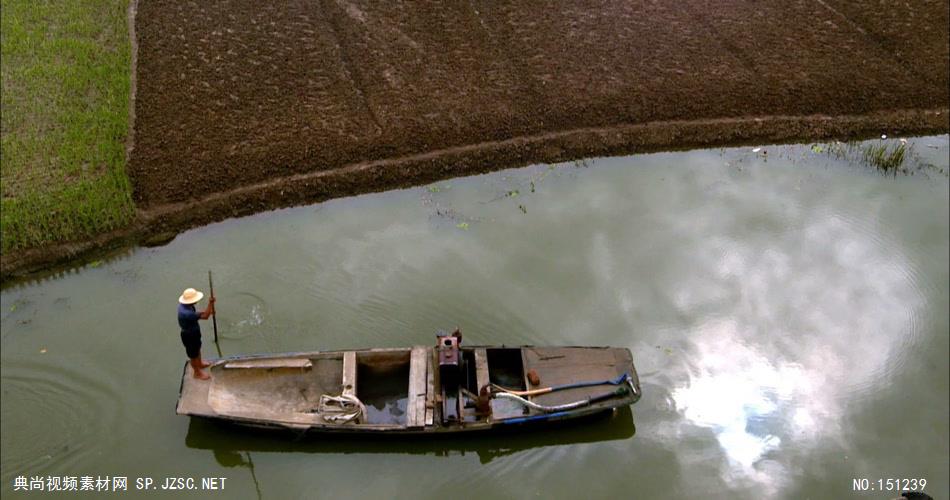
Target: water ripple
{"type": "Point", "coordinates": [79, 411]}
{"type": "Point", "coordinates": [245, 313]}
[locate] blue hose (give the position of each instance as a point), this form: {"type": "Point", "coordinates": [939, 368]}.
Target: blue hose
{"type": "Point", "coordinates": [534, 418]}
{"type": "Point", "coordinates": [617, 381]}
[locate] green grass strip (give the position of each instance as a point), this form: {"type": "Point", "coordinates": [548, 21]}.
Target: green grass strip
{"type": "Point", "coordinates": [65, 110]}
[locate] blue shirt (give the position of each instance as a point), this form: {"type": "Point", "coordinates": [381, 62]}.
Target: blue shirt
{"type": "Point", "coordinates": [188, 319]}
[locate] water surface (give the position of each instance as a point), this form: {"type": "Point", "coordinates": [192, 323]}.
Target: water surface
{"type": "Point", "coordinates": [787, 310]}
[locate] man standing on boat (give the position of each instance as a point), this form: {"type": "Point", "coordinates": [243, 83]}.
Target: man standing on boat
{"type": "Point", "coordinates": [188, 318]}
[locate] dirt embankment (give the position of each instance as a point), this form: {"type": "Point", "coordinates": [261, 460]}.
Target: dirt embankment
{"type": "Point", "coordinates": [243, 106]}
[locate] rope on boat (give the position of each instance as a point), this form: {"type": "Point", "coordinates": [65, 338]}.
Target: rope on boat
{"type": "Point", "coordinates": [621, 391]}
{"type": "Point", "coordinates": [341, 409]}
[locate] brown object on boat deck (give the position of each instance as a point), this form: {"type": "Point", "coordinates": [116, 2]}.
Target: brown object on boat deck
{"type": "Point", "coordinates": [483, 404]}
{"type": "Point", "coordinates": [534, 378]}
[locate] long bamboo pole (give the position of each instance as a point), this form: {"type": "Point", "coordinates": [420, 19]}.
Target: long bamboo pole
{"type": "Point", "coordinates": [214, 317]}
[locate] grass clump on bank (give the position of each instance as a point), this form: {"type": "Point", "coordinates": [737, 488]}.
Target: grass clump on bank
{"type": "Point", "coordinates": [65, 110]}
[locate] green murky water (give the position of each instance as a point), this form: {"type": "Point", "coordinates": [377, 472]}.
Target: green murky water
{"type": "Point", "coordinates": [787, 310]}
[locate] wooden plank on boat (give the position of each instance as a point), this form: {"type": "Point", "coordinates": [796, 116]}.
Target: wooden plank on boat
{"type": "Point", "coordinates": [526, 369]}
{"type": "Point", "coordinates": [270, 363]}
{"type": "Point", "coordinates": [349, 370]}
{"type": "Point", "coordinates": [565, 365]}
{"type": "Point", "coordinates": [416, 406]}
{"type": "Point", "coordinates": [430, 388]}
{"type": "Point", "coordinates": [481, 368]}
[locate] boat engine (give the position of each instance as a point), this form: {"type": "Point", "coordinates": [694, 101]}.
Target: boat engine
{"type": "Point", "coordinates": [450, 373]}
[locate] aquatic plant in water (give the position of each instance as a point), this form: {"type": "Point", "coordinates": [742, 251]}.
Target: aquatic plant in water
{"type": "Point", "coordinates": [888, 159]}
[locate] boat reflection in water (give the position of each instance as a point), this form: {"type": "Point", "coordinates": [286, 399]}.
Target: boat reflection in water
{"type": "Point", "coordinates": [231, 444]}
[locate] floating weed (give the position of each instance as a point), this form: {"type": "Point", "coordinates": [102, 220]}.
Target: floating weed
{"type": "Point", "coordinates": [446, 211]}
{"type": "Point", "coordinates": [436, 189]}
{"type": "Point", "coordinates": [667, 350]}
{"type": "Point", "coordinates": [508, 194]}
{"type": "Point", "coordinates": [532, 183]}
{"type": "Point", "coordinates": [19, 303]}
{"type": "Point", "coordinates": [94, 264]}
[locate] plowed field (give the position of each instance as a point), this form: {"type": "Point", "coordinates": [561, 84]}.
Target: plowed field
{"type": "Point", "coordinates": [236, 93]}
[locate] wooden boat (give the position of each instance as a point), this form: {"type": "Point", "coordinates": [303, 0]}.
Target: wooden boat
{"type": "Point", "coordinates": [418, 390]}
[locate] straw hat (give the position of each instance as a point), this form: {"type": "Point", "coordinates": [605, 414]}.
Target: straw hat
{"type": "Point", "coordinates": [190, 296]}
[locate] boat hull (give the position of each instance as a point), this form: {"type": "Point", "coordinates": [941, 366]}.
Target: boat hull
{"type": "Point", "coordinates": [413, 391]}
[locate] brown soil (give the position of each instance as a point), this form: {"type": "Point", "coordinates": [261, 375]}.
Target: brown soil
{"type": "Point", "coordinates": [243, 106]}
